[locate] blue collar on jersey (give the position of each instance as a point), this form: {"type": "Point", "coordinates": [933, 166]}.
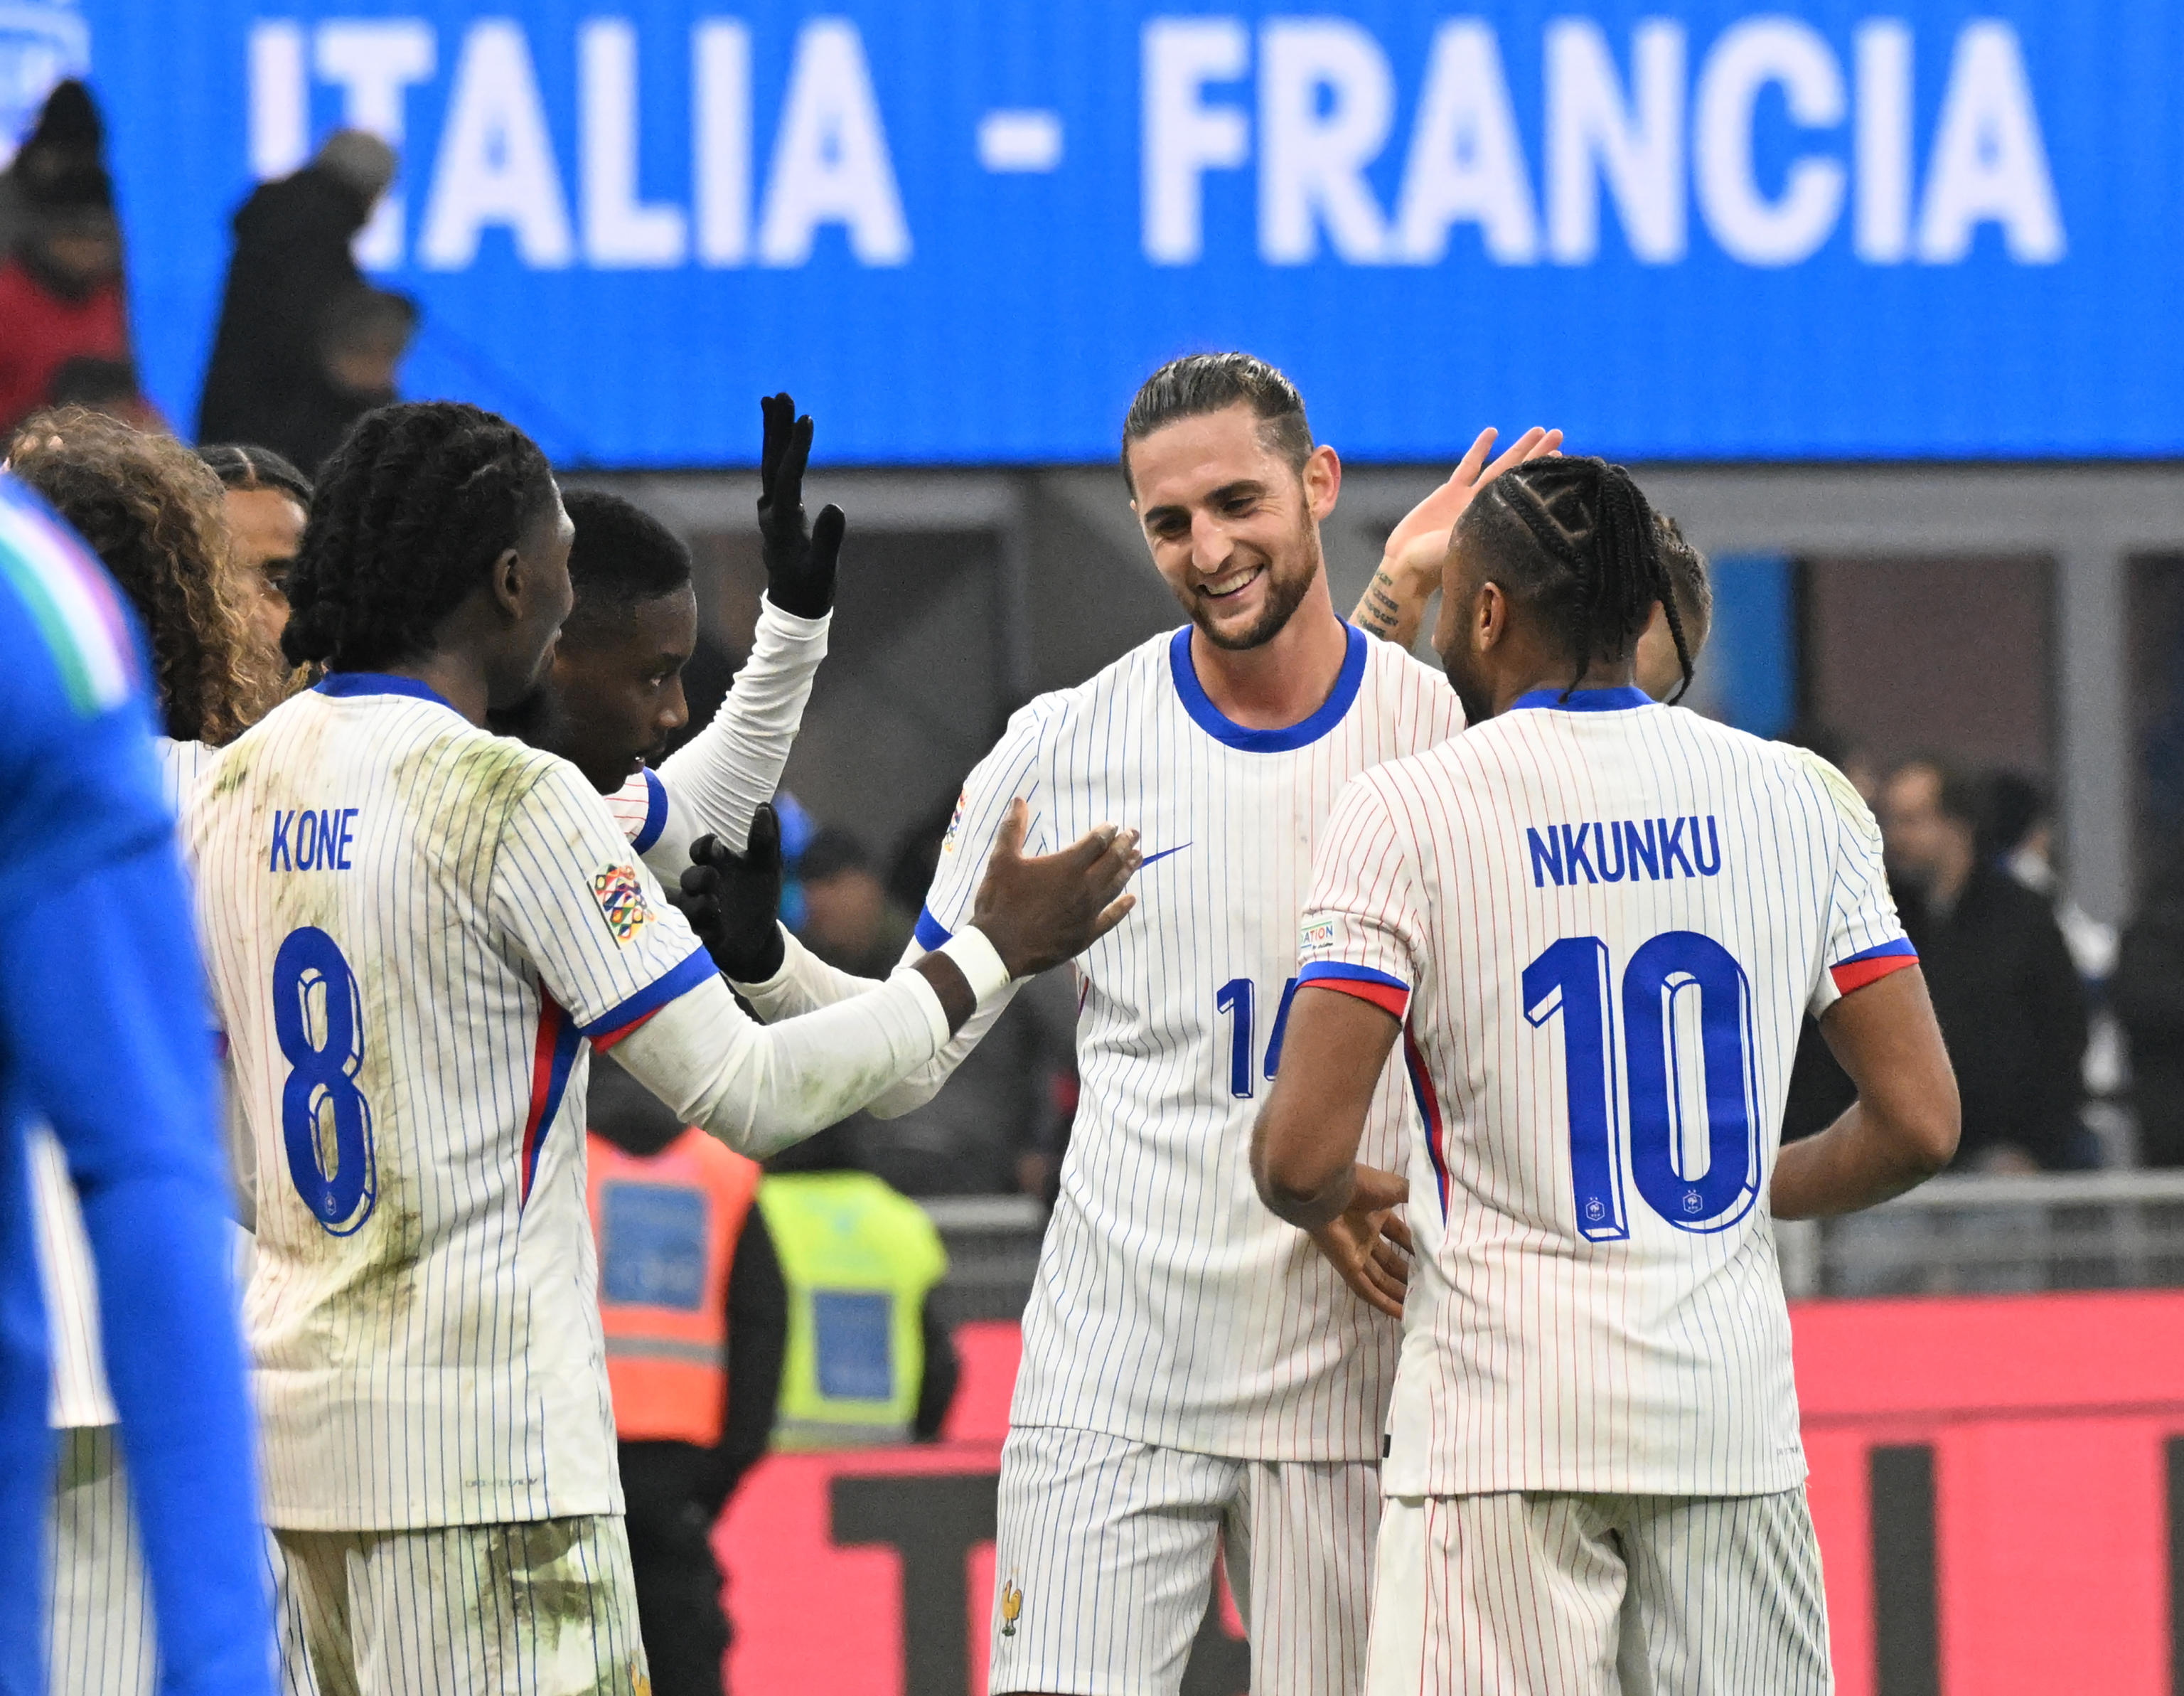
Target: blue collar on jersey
{"type": "Point", "coordinates": [1619, 700]}
{"type": "Point", "coordinates": [1303, 734]}
{"type": "Point", "coordinates": [341, 685]}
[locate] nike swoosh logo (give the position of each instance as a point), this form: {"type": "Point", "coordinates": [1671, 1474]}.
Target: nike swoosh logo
{"type": "Point", "coordinates": [1162, 855]}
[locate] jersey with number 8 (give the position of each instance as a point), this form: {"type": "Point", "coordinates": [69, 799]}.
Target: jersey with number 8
{"type": "Point", "coordinates": [412, 929]}
{"type": "Point", "coordinates": [1602, 922]}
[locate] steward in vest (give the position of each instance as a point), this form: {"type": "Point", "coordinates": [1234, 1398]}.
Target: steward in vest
{"type": "Point", "coordinates": [695, 1315]}
{"type": "Point", "coordinates": [867, 1361]}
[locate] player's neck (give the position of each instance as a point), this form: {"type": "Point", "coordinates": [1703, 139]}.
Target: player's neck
{"type": "Point", "coordinates": [1283, 682]}
{"type": "Point", "coordinates": [459, 678]}
{"type": "Point", "coordinates": [1550, 674]}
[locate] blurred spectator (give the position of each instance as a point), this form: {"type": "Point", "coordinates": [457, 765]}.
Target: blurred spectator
{"type": "Point", "coordinates": [63, 311]}
{"type": "Point", "coordinates": [848, 922]}
{"type": "Point", "coordinates": [268, 502]}
{"type": "Point", "coordinates": [2007, 996]}
{"type": "Point", "coordinates": [2146, 992]}
{"type": "Point", "coordinates": [869, 1361]}
{"type": "Point", "coordinates": [2017, 831]}
{"type": "Point", "coordinates": [696, 1319]}
{"type": "Point", "coordinates": [305, 345]}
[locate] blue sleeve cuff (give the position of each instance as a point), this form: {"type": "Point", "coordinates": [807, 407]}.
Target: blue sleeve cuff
{"type": "Point", "coordinates": [931, 933]}
{"type": "Point", "coordinates": [616, 1021]}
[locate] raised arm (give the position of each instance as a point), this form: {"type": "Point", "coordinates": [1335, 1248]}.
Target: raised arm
{"type": "Point", "coordinates": [717, 780]}
{"type": "Point", "coordinates": [1394, 604]}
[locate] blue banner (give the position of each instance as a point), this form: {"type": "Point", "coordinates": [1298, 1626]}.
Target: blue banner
{"type": "Point", "coordinates": [963, 231]}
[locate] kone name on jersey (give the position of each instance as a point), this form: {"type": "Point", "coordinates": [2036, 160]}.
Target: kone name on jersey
{"type": "Point", "coordinates": [310, 841]}
{"type": "Point", "coordinates": [1653, 848]}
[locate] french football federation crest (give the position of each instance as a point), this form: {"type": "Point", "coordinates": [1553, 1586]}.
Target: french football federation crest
{"type": "Point", "coordinates": [621, 902]}
{"type": "Point", "coordinates": [1011, 1606]}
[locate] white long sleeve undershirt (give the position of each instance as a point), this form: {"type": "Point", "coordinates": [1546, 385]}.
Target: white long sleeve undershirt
{"type": "Point", "coordinates": [760, 1088]}
{"type": "Point", "coordinates": [805, 983]}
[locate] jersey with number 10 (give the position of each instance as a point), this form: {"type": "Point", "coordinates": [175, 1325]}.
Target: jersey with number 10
{"type": "Point", "coordinates": [1602, 922]}
{"type": "Point", "coordinates": [1170, 1306]}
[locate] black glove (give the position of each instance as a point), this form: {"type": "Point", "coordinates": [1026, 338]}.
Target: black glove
{"type": "Point", "coordinates": [731, 900]}
{"type": "Point", "coordinates": [799, 558]}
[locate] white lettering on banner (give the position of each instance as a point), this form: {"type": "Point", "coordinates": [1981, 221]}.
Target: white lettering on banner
{"type": "Point", "coordinates": [280, 97]}
{"type": "Point", "coordinates": [830, 159]}
{"type": "Point", "coordinates": [1185, 135]}
{"type": "Point", "coordinates": [1655, 123]}
{"type": "Point", "coordinates": [1746, 58]}
{"type": "Point", "coordinates": [1466, 164]}
{"type": "Point", "coordinates": [1327, 101]}
{"type": "Point", "coordinates": [620, 232]}
{"type": "Point", "coordinates": [375, 61]}
{"type": "Point", "coordinates": [1592, 134]}
{"type": "Point", "coordinates": [495, 166]}
{"type": "Point", "coordinates": [1988, 163]}
{"type": "Point", "coordinates": [1882, 232]}
{"type": "Point", "coordinates": [720, 139]}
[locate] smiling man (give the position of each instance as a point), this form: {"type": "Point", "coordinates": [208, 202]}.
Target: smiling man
{"type": "Point", "coordinates": [1194, 1374]}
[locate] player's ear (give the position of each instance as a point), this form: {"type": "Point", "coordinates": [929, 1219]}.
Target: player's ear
{"type": "Point", "coordinates": [1323, 480]}
{"type": "Point", "coordinates": [1489, 617]}
{"type": "Point", "coordinates": [506, 580]}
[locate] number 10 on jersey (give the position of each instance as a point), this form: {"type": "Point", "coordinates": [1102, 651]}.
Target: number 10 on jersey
{"type": "Point", "coordinates": [1678, 984]}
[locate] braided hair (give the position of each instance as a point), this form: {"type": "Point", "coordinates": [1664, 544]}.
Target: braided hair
{"type": "Point", "coordinates": [1573, 538]}
{"type": "Point", "coordinates": [410, 513]}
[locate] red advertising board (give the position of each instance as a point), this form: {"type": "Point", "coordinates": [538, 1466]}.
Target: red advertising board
{"type": "Point", "coordinates": [1997, 1483]}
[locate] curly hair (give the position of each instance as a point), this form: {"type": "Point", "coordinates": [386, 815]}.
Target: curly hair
{"type": "Point", "coordinates": [156, 515]}
{"type": "Point", "coordinates": [411, 512]}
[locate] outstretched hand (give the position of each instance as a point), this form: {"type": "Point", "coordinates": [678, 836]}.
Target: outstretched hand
{"type": "Point", "coordinates": [1369, 1243]}
{"type": "Point", "coordinates": [731, 900]}
{"type": "Point", "coordinates": [800, 558]}
{"type": "Point", "coordinates": [1394, 602]}
{"type": "Point", "coordinates": [1040, 910]}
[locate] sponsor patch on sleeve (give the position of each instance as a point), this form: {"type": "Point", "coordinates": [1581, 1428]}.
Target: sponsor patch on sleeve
{"type": "Point", "coordinates": [955, 824]}
{"type": "Point", "coordinates": [621, 902]}
{"type": "Point", "coordinates": [1320, 934]}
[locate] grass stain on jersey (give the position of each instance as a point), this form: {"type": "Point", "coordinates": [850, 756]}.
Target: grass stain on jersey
{"type": "Point", "coordinates": [539, 1568]}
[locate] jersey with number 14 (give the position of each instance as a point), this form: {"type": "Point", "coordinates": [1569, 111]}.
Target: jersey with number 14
{"type": "Point", "coordinates": [1602, 922]}
{"type": "Point", "coordinates": [1170, 1306]}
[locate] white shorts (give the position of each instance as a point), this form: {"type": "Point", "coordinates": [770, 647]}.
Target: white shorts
{"type": "Point", "coordinates": [1599, 1596]}
{"type": "Point", "coordinates": [98, 1616]}
{"type": "Point", "coordinates": [1104, 1566]}
{"type": "Point", "coordinates": [541, 1609]}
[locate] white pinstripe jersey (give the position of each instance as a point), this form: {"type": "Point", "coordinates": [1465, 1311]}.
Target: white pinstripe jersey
{"type": "Point", "coordinates": [1607, 920]}
{"type": "Point", "coordinates": [79, 1394]}
{"type": "Point", "coordinates": [413, 926]}
{"type": "Point", "coordinates": [1170, 1307]}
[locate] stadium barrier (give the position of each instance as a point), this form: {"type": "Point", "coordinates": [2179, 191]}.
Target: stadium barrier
{"type": "Point", "coordinates": [1998, 1482]}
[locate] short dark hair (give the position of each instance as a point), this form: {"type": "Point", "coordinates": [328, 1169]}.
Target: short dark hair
{"type": "Point", "coordinates": [1692, 576]}
{"type": "Point", "coordinates": [238, 464]}
{"type": "Point", "coordinates": [1573, 538]}
{"type": "Point", "coordinates": [412, 509]}
{"type": "Point", "coordinates": [622, 554]}
{"type": "Point", "coordinates": [1199, 384]}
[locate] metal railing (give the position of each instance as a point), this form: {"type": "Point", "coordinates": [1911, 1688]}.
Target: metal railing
{"type": "Point", "coordinates": [2081, 1230]}
{"type": "Point", "coordinates": [2089, 1231]}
